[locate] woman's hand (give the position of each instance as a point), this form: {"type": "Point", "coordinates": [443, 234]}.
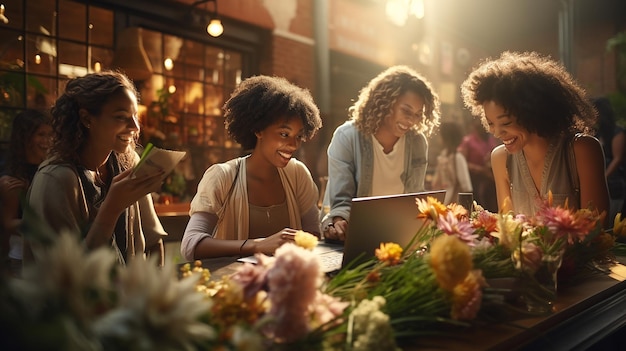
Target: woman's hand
{"type": "Point", "coordinates": [271, 243]}
{"type": "Point", "coordinates": [125, 190]}
{"type": "Point", "coordinates": [336, 230]}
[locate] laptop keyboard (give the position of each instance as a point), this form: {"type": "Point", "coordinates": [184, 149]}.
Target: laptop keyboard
{"type": "Point", "coordinates": [331, 261]}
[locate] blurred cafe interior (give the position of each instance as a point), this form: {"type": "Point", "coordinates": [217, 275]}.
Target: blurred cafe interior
{"type": "Point", "coordinates": [186, 57]}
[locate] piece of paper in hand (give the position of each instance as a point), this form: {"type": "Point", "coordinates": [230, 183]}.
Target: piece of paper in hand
{"type": "Point", "coordinates": [154, 159]}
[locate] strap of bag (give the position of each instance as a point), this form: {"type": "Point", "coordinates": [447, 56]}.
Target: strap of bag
{"type": "Point", "coordinates": [220, 213]}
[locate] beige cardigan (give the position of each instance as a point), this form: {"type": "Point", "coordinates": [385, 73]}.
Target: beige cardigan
{"type": "Point", "coordinates": [300, 189]}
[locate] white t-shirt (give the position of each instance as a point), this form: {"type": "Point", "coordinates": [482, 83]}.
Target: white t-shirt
{"type": "Point", "coordinates": [388, 169]}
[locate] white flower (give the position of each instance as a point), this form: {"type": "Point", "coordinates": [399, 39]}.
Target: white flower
{"type": "Point", "coordinates": [156, 310]}
{"type": "Point", "coordinates": [371, 329]}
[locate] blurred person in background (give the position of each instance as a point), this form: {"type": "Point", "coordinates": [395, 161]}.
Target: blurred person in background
{"type": "Point", "coordinates": [613, 140]}
{"type": "Point", "coordinates": [451, 172]}
{"type": "Point", "coordinates": [30, 140]}
{"type": "Point", "coordinates": [476, 147]}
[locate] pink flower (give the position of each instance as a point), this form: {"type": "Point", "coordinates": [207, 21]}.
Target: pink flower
{"type": "Point", "coordinates": [564, 223]}
{"type": "Point", "coordinates": [292, 283]}
{"type": "Point", "coordinates": [252, 278]}
{"type": "Point", "coordinates": [326, 308]}
{"type": "Point", "coordinates": [463, 229]}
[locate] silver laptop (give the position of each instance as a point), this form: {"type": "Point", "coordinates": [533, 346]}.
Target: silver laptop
{"type": "Point", "coordinates": [375, 220]}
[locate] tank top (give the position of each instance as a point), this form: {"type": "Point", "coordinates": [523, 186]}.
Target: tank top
{"type": "Point", "coordinates": [559, 176]}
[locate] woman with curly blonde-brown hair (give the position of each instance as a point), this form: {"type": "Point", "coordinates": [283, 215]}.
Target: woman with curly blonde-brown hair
{"type": "Point", "coordinates": [85, 186]}
{"type": "Point", "coordinates": [382, 149]}
{"type": "Point", "coordinates": [543, 118]}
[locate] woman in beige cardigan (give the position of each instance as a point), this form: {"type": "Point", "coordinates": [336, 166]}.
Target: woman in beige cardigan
{"type": "Point", "coordinates": [256, 203]}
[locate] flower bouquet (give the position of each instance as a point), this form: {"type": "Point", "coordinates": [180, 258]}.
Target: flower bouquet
{"type": "Point", "coordinates": [445, 279]}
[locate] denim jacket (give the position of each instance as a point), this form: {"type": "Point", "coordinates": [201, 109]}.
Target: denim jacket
{"type": "Point", "coordinates": [351, 165]}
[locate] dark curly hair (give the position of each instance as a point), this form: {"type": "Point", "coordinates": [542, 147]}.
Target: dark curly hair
{"type": "Point", "coordinates": [537, 90]}
{"type": "Point", "coordinates": [25, 125]}
{"type": "Point", "coordinates": [260, 101]}
{"type": "Point", "coordinates": [90, 92]}
{"type": "Point", "coordinates": [376, 100]}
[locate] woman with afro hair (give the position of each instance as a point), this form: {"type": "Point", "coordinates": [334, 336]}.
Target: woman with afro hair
{"type": "Point", "coordinates": [543, 118]}
{"type": "Point", "coordinates": [254, 204]}
{"type": "Point", "coordinates": [382, 149]}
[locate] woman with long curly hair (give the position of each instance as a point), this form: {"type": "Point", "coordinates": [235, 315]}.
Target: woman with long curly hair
{"type": "Point", "coordinates": [382, 149]}
{"type": "Point", "coordinates": [544, 120]}
{"type": "Point", "coordinates": [257, 202]}
{"type": "Point", "coordinates": [30, 140]}
{"type": "Point", "coordinates": [85, 186]}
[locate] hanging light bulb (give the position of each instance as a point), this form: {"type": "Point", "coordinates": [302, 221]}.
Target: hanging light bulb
{"type": "Point", "coordinates": [215, 28]}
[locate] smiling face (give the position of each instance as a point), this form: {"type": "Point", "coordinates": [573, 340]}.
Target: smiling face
{"type": "Point", "coordinates": [117, 125]}
{"type": "Point", "coordinates": [38, 144]}
{"type": "Point", "coordinates": [505, 127]}
{"type": "Point", "coordinates": [280, 140]}
{"type": "Point", "coordinates": [405, 113]}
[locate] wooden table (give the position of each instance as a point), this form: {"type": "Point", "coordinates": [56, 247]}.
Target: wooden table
{"type": "Point", "coordinates": [586, 313]}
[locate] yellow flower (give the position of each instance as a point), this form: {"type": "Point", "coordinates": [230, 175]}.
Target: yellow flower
{"type": "Point", "coordinates": [508, 231]}
{"type": "Point", "coordinates": [305, 240]}
{"type": "Point", "coordinates": [390, 253]}
{"type": "Point", "coordinates": [619, 226]}
{"type": "Point", "coordinates": [605, 241]}
{"type": "Point", "coordinates": [451, 260]}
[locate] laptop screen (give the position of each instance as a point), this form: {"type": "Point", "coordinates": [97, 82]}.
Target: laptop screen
{"type": "Point", "coordinates": [381, 219]}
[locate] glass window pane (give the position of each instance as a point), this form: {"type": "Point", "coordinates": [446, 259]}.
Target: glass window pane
{"type": "Point", "coordinates": [215, 131]}
{"type": "Point", "coordinates": [194, 130]}
{"type": "Point", "coordinates": [42, 92]}
{"type": "Point", "coordinates": [214, 63]}
{"type": "Point", "coordinates": [41, 54]}
{"type": "Point", "coordinates": [12, 88]}
{"type": "Point", "coordinates": [194, 97]}
{"type": "Point", "coordinates": [100, 27]}
{"type": "Point", "coordinates": [13, 48]}
{"type": "Point", "coordinates": [41, 16]}
{"type": "Point", "coordinates": [193, 55]}
{"type": "Point", "coordinates": [72, 20]}
{"type": "Point", "coordinates": [13, 13]}
{"type": "Point", "coordinates": [72, 59]}
{"type": "Point", "coordinates": [232, 68]}
{"type": "Point", "coordinates": [213, 100]}
{"type": "Point", "coordinates": [99, 58]}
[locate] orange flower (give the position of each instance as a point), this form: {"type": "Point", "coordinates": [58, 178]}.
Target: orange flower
{"type": "Point", "coordinates": [451, 260]}
{"type": "Point", "coordinates": [486, 220]}
{"type": "Point", "coordinates": [373, 276]}
{"type": "Point", "coordinates": [430, 208]}
{"type": "Point", "coordinates": [467, 296]}
{"type": "Point", "coordinates": [458, 211]}
{"type": "Point", "coordinates": [390, 253]}
{"type": "Point", "coordinates": [605, 242]}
